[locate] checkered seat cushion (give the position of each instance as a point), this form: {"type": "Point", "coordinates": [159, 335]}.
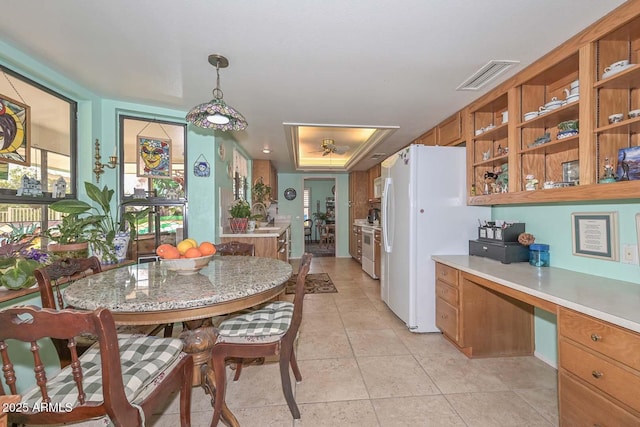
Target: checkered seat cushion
{"type": "Point", "coordinates": [144, 360]}
{"type": "Point", "coordinates": [266, 324]}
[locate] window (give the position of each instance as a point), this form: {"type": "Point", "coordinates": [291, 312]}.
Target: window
{"type": "Point", "coordinates": [39, 165]}
{"type": "Point", "coordinates": [154, 170]}
{"type": "Point", "coordinates": [307, 203]}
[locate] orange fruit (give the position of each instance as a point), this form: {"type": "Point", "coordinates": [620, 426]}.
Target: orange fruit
{"type": "Point", "coordinates": [160, 250]}
{"type": "Point", "coordinates": [207, 248]}
{"type": "Point", "coordinates": [192, 253]}
{"type": "Point", "coordinates": [170, 253]}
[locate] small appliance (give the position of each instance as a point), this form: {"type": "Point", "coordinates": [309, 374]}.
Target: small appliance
{"type": "Point", "coordinates": [374, 215]}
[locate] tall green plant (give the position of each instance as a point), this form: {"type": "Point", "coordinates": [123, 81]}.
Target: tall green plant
{"type": "Point", "coordinates": [96, 225]}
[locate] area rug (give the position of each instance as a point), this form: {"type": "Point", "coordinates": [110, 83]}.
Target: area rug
{"type": "Point", "coordinates": [318, 250]}
{"type": "Point", "coordinates": [317, 283]}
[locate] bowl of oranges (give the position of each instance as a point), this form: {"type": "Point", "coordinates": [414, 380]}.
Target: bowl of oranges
{"type": "Point", "coordinates": [187, 257]}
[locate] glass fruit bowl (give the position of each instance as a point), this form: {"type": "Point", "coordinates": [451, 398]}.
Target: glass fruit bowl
{"type": "Point", "coordinates": [187, 266]}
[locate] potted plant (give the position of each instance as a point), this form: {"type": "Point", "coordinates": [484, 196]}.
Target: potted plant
{"type": "Point", "coordinates": [261, 193]}
{"type": "Point", "coordinates": [18, 260]}
{"type": "Point", "coordinates": [240, 212]}
{"type": "Point", "coordinates": [107, 234]}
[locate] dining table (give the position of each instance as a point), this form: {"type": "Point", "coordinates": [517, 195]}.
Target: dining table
{"type": "Point", "coordinates": [153, 294]}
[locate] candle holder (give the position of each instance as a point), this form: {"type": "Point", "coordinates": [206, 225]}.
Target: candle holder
{"type": "Point", "coordinates": [99, 167]}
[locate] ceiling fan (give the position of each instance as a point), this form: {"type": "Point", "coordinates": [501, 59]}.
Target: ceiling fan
{"type": "Point", "coordinates": [328, 146]}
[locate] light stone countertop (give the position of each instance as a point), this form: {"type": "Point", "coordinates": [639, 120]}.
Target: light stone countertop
{"type": "Point", "coordinates": [268, 231]}
{"type": "Point", "coordinates": [151, 287]}
{"type": "Point", "coordinates": [614, 301]}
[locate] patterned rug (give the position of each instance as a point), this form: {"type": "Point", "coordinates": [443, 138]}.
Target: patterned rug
{"type": "Point", "coordinates": [318, 283]}
{"type": "Point", "coordinates": [317, 250]}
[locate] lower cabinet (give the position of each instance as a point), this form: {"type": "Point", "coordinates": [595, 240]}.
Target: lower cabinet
{"type": "Point", "coordinates": [355, 243]}
{"type": "Point", "coordinates": [599, 372]}
{"type": "Point", "coordinates": [267, 246]}
{"type": "Point", "coordinates": [599, 363]}
{"type": "Point", "coordinates": [482, 323]}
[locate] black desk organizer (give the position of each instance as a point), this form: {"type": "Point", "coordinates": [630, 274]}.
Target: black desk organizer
{"type": "Point", "coordinates": [500, 244]}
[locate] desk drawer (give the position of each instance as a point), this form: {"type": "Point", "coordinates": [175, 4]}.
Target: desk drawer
{"type": "Point", "coordinates": [447, 319]}
{"type": "Point", "coordinates": [612, 341]}
{"type": "Point", "coordinates": [580, 406]}
{"type": "Point", "coordinates": [605, 375]}
{"type": "Point", "coordinates": [447, 274]}
{"type": "Point", "coordinates": [447, 293]}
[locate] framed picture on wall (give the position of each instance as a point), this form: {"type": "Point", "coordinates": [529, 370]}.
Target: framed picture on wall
{"type": "Point", "coordinates": [595, 235]}
{"type": "Point", "coordinates": [154, 157]}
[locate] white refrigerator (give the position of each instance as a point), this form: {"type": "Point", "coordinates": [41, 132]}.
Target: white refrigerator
{"type": "Point", "coordinates": [424, 212]}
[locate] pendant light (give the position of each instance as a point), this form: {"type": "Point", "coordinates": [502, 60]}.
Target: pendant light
{"type": "Point", "coordinates": [216, 114]}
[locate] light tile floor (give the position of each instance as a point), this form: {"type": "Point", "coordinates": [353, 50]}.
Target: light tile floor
{"type": "Point", "coordinates": [361, 367]}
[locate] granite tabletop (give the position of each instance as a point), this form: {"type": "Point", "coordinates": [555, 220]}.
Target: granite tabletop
{"type": "Point", "coordinates": [151, 287]}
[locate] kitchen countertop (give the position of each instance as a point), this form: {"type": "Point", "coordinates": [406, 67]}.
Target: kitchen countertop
{"type": "Point", "coordinates": [367, 225]}
{"type": "Point", "coordinates": [614, 301]}
{"type": "Point", "coordinates": [268, 231]}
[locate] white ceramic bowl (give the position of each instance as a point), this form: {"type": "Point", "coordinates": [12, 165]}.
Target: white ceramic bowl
{"type": "Point", "coordinates": [615, 118]}
{"type": "Point", "coordinates": [634, 114]}
{"type": "Point", "coordinates": [187, 266]}
{"type": "Point", "coordinates": [530, 115]}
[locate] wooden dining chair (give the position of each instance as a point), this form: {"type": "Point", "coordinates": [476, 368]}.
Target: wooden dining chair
{"type": "Point", "coordinates": [125, 379]}
{"type": "Point", "coordinates": [51, 279]}
{"type": "Point", "coordinates": [268, 331]}
{"type": "Point", "coordinates": [236, 248]}
{"type": "Point", "coordinates": [326, 235]}
{"type": "Point", "coordinates": [308, 227]}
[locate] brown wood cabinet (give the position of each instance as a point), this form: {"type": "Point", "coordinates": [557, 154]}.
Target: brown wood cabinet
{"type": "Point", "coordinates": [269, 247]}
{"type": "Point", "coordinates": [427, 138]}
{"type": "Point", "coordinates": [358, 204]}
{"type": "Point", "coordinates": [377, 252]}
{"type": "Point", "coordinates": [264, 169]}
{"type": "Point", "coordinates": [599, 372]}
{"type": "Point", "coordinates": [462, 303]}
{"type": "Point", "coordinates": [599, 363]}
{"type": "Point", "coordinates": [355, 243]}
{"type": "Point", "coordinates": [373, 172]}
{"type": "Point", "coordinates": [534, 145]}
{"type": "Point", "coordinates": [450, 130]}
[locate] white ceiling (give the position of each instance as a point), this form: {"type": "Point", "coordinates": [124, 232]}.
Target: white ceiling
{"type": "Point", "coordinates": [366, 63]}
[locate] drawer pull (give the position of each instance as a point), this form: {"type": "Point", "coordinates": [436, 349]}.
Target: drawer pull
{"type": "Point", "coordinates": [596, 374]}
{"type": "Point", "coordinates": [595, 337]}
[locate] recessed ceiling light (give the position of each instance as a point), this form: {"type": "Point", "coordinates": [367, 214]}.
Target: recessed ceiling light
{"type": "Point", "coordinates": [266, 150]}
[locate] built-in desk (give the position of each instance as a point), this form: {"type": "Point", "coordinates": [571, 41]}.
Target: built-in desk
{"type": "Point", "coordinates": [485, 308]}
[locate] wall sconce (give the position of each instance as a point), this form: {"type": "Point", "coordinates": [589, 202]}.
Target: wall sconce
{"type": "Point", "coordinates": [99, 167]}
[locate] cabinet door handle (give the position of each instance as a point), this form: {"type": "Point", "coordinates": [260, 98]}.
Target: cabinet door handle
{"type": "Point", "coordinates": [596, 374]}
{"type": "Point", "coordinates": [595, 337]}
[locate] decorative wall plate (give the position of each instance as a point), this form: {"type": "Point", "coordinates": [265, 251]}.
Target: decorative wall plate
{"type": "Point", "coordinates": [290, 193]}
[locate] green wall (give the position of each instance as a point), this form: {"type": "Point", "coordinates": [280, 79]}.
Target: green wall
{"type": "Point", "coordinates": [551, 224]}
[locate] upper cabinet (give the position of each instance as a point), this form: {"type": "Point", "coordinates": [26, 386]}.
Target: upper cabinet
{"type": "Point", "coordinates": [450, 131]}
{"type": "Point", "coordinates": [566, 127]}
{"type": "Point", "coordinates": [373, 173]}
{"type": "Point", "coordinates": [264, 169]}
{"type": "Point", "coordinates": [427, 138]}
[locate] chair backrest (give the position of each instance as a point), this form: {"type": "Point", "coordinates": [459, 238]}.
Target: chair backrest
{"type": "Point", "coordinates": [308, 223]}
{"type": "Point", "coordinates": [32, 324]}
{"type": "Point", "coordinates": [236, 248]}
{"type": "Point", "coordinates": [60, 272]}
{"type": "Point", "coordinates": [305, 263]}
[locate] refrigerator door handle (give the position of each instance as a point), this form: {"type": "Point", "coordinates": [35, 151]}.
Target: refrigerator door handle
{"type": "Point", "coordinates": [387, 214]}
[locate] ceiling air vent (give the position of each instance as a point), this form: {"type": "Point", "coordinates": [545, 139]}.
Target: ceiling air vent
{"type": "Point", "coordinates": [485, 74]}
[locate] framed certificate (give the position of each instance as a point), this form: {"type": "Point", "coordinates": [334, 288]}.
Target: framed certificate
{"type": "Point", "coordinates": [595, 235]}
